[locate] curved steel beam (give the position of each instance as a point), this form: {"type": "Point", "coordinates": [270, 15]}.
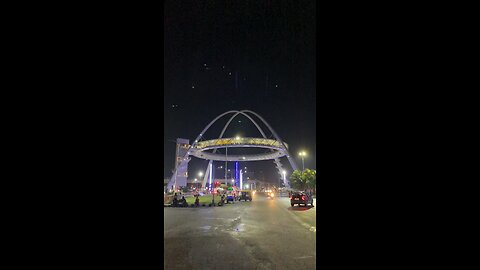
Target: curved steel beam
{"type": "Point", "coordinates": [246, 115]}
{"type": "Point", "coordinates": [292, 162]}
{"type": "Point", "coordinates": [243, 112]}
{"type": "Point", "coordinates": [170, 183]}
{"type": "Point", "coordinates": [223, 132]}
{"type": "Point", "coordinates": [208, 126]}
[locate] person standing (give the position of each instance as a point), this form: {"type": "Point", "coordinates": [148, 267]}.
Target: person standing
{"type": "Point", "coordinates": [175, 200]}
{"type": "Point", "coordinates": [183, 202]}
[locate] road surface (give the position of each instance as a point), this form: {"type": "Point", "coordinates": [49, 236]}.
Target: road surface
{"type": "Point", "coordinates": [262, 234]}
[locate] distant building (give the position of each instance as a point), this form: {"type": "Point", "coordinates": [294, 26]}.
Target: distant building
{"type": "Point", "coordinates": [182, 171]}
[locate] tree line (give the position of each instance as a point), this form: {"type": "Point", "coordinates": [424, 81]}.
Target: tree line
{"type": "Point", "coordinates": [304, 180]}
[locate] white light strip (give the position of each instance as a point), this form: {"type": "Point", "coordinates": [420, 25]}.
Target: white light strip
{"type": "Point", "coordinates": [210, 175]}
{"type": "Point", "coordinates": [241, 179]}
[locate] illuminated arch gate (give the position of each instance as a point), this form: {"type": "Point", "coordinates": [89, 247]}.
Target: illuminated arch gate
{"type": "Point", "coordinates": [277, 147]}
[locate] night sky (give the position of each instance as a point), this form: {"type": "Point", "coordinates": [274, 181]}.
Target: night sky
{"type": "Point", "coordinates": [234, 55]}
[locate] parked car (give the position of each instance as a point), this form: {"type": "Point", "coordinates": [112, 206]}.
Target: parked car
{"type": "Point", "coordinates": [301, 198]}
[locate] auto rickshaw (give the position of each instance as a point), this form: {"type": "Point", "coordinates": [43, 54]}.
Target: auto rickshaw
{"type": "Point", "coordinates": [245, 195]}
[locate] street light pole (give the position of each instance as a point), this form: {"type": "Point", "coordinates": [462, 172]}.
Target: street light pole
{"type": "Point", "coordinates": [302, 155]}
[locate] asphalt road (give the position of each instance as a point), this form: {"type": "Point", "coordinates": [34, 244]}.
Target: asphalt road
{"type": "Point", "coordinates": [262, 234]}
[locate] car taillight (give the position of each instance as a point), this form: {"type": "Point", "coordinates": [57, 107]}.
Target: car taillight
{"type": "Point", "coordinates": [303, 198]}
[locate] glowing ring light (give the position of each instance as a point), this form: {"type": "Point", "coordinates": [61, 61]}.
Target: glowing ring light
{"type": "Point", "coordinates": [200, 149]}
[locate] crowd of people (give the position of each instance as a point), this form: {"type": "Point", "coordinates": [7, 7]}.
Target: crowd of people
{"type": "Point", "coordinates": [182, 202]}
{"type": "Point", "coordinates": [221, 194]}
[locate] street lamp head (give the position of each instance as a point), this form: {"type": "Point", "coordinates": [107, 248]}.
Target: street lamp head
{"type": "Point", "coordinates": [200, 174]}
{"type": "Point", "coordinates": [284, 172]}
{"type": "Point", "coordinates": [195, 180]}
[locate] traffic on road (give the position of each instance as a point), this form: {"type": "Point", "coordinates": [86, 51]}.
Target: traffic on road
{"type": "Point", "coordinates": [259, 231]}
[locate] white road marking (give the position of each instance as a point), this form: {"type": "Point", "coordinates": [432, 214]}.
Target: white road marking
{"type": "Point", "coordinates": [303, 257]}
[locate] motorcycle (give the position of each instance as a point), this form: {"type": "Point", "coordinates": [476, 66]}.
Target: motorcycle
{"type": "Point", "coordinates": [222, 201]}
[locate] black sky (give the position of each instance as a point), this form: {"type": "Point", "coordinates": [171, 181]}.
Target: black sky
{"type": "Point", "coordinates": [233, 55]}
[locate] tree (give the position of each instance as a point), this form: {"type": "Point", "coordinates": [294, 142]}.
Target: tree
{"type": "Point", "coordinates": [303, 180]}
{"type": "Point", "coordinates": [310, 178]}
{"type": "Point", "coordinates": [296, 180]}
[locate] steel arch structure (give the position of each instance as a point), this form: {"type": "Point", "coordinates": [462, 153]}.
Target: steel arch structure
{"type": "Point", "coordinates": [278, 147]}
